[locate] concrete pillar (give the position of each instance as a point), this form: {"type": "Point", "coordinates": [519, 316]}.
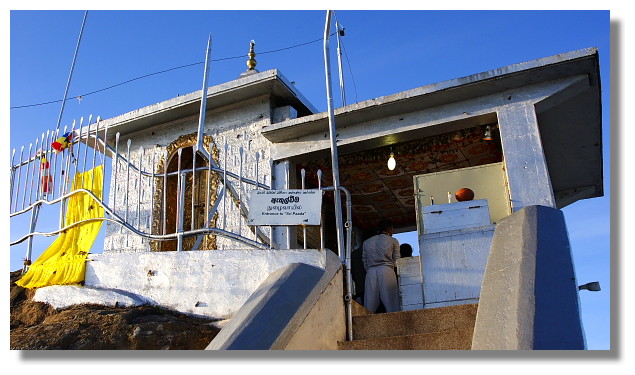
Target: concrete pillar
{"type": "Point", "coordinates": [529, 297]}
{"type": "Point", "coordinates": [525, 164]}
{"type": "Point", "coordinates": [283, 178]}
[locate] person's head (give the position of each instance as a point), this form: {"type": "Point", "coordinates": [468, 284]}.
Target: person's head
{"type": "Point", "coordinates": [405, 250]}
{"type": "Point", "coordinates": [385, 226]}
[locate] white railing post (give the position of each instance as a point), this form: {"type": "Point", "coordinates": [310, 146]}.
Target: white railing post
{"type": "Point", "coordinates": [180, 197]}
{"type": "Point", "coordinates": [141, 154]}
{"type": "Point", "coordinates": [127, 195]}
{"type": "Point", "coordinates": [303, 176]}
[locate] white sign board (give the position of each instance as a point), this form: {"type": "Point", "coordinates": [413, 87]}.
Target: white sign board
{"type": "Point", "coordinates": [285, 207]}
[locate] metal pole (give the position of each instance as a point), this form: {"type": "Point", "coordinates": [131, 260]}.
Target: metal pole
{"type": "Point", "coordinates": [271, 185]}
{"type": "Point", "coordinates": [225, 184]}
{"type": "Point", "coordinates": [12, 178]}
{"type": "Point", "coordinates": [105, 146]}
{"type": "Point", "coordinates": [181, 213]}
{"type": "Point", "coordinates": [152, 188]}
{"type": "Point", "coordinates": [115, 167]}
{"type": "Point", "coordinates": [201, 119]}
{"type": "Point", "coordinates": [67, 162]}
{"type": "Point", "coordinates": [43, 156]}
{"type": "Point", "coordinates": [70, 75]}
{"type": "Point", "coordinates": [193, 203]}
{"type": "Point", "coordinates": [257, 188]}
{"type": "Point", "coordinates": [42, 153]}
{"type": "Point", "coordinates": [66, 167]}
{"type": "Point", "coordinates": [240, 190]}
{"type": "Point", "coordinates": [339, 63]}
{"type": "Point", "coordinates": [54, 164]}
{"type": "Point", "coordinates": [334, 158]}
{"type": "Point", "coordinates": [86, 147]}
{"type": "Point", "coordinates": [51, 173]}
{"type": "Point", "coordinates": [62, 161]}
{"type": "Point", "coordinates": [79, 145]}
{"type": "Point", "coordinates": [209, 187]}
{"type": "Point", "coordinates": [34, 171]}
{"type": "Point", "coordinates": [303, 174]}
{"type": "Point", "coordinates": [141, 155]}
{"type": "Point", "coordinates": [92, 183]}
{"type": "Point", "coordinates": [29, 246]}
{"type": "Point", "coordinates": [179, 205]}
{"type": "Point", "coordinates": [103, 175]}
{"type": "Point", "coordinates": [336, 176]}
{"type": "Point", "coordinates": [128, 143]}
{"type": "Point", "coordinates": [165, 191]}
{"type": "Point", "coordinates": [17, 191]}
{"type": "Point", "coordinates": [36, 209]}
{"type": "Point", "coordinates": [319, 176]}
{"type": "Point", "coordinates": [349, 280]}
{"type": "Point", "coordinates": [26, 176]}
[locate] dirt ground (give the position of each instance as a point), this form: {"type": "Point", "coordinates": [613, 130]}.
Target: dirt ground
{"type": "Point", "coordinates": [36, 325]}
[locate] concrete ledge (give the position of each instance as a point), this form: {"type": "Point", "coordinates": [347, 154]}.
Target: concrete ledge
{"type": "Point", "coordinates": [529, 297]}
{"type": "Point", "coordinates": [63, 296]}
{"type": "Point", "coordinates": [297, 307]}
{"type": "Point", "coordinates": [213, 283]}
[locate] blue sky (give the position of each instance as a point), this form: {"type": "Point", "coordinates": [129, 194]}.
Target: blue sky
{"type": "Point", "coordinates": [386, 52]}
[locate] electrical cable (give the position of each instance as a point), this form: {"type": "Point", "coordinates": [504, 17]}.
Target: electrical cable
{"type": "Point", "coordinates": [164, 71]}
{"type": "Point", "coordinates": [347, 61]}
{"type": "Point", "coordinates": [350, 70]}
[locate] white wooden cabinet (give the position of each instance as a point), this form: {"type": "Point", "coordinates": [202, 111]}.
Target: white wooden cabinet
{"type": "Point", "coordinates": [453, 263]}
{"type": "Point", "coordinates": [410, 283]}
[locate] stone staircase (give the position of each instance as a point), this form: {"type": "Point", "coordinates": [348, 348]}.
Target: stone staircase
{"type": "Point", "coordinates": [440, 328]}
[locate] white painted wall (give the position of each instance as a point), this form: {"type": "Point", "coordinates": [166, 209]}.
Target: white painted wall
{"type": "Point", "coordinates": [240, 124]}
{"type": "Point", "coordinates": [210, 283]}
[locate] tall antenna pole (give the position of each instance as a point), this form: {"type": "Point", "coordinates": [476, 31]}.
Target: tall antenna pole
{"type": "Point", "coordinates": [340, 33]}
{"type": "Point", "coordinates": [201, 117]}
{"type": "Point", "coordinates": [70, 75]}
{"type": "Point", "coordinates": [334, 157]}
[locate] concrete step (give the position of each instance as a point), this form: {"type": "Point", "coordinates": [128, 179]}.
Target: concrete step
{"type": "Point", "coordinates": [452, 339]}
{"type": "Point", "coordinates": [415, 322]}
{"type": "Point", "coordinates": [357, 309]}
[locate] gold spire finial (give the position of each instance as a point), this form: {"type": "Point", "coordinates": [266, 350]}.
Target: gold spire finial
{"type": "Point", "coordinates": [251, 63]}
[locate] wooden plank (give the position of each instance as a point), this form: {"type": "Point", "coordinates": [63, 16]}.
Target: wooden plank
{"type": "Point", "coordinates": [451, 216]}
{"type": "Point", "coordinates": [453, 263]}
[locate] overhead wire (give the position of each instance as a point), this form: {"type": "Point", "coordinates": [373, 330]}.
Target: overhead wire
{"type": "Point", "coordinates": [348, 62]}
{"type": "Point", "coordinates": [350, 70]}
{"type": "Point", "coordinates": [163, 71]}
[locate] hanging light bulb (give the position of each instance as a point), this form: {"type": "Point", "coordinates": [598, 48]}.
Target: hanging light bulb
{"type": "Point", "coordinates": [392, 163]}
{"type": "Point", "coordinates": [488, 134]}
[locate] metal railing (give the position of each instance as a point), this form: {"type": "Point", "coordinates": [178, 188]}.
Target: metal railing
{"type": "Point", "coordinates": [43, 176]}
{"type": "Point", "coordinates": [143, 183]}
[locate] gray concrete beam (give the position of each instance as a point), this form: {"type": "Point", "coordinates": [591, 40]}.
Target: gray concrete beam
{"type": "Point", "coordinates": [384, 129]}
{"type": "Point", "coordinates": [569, 64]}
{"type": "Point", "coordinates": [525, 163]}
{"type": "Point", "coordinates": [266, 314]}
{"type": "Point", "coordinates": [288, 309]}
{"type": "Point", "coordinates": [529, 297]}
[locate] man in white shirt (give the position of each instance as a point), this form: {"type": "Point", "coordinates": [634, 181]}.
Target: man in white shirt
{"type": "Point", "coordinates": [380, 254]}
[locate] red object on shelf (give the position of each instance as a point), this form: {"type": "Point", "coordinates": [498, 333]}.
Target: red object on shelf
{"type": "Point", "coordinates": [464, 194]}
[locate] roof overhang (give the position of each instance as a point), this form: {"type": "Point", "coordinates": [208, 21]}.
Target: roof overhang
{"type": "Point", "coordinates": [571, 129]}
{"type": "Point", "coordinates": [270, 82]}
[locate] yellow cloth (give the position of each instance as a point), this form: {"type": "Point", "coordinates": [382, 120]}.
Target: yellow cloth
{"type": "Point", "coordinates": [64, 262]}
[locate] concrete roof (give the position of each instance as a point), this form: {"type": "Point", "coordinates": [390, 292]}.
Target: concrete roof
{"type": "Point", "coordinates": [571, 131]}
{"type": "Point", "coordinates": [454, 90]}
{"type": "Point", "coordinates": [268, 82]}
